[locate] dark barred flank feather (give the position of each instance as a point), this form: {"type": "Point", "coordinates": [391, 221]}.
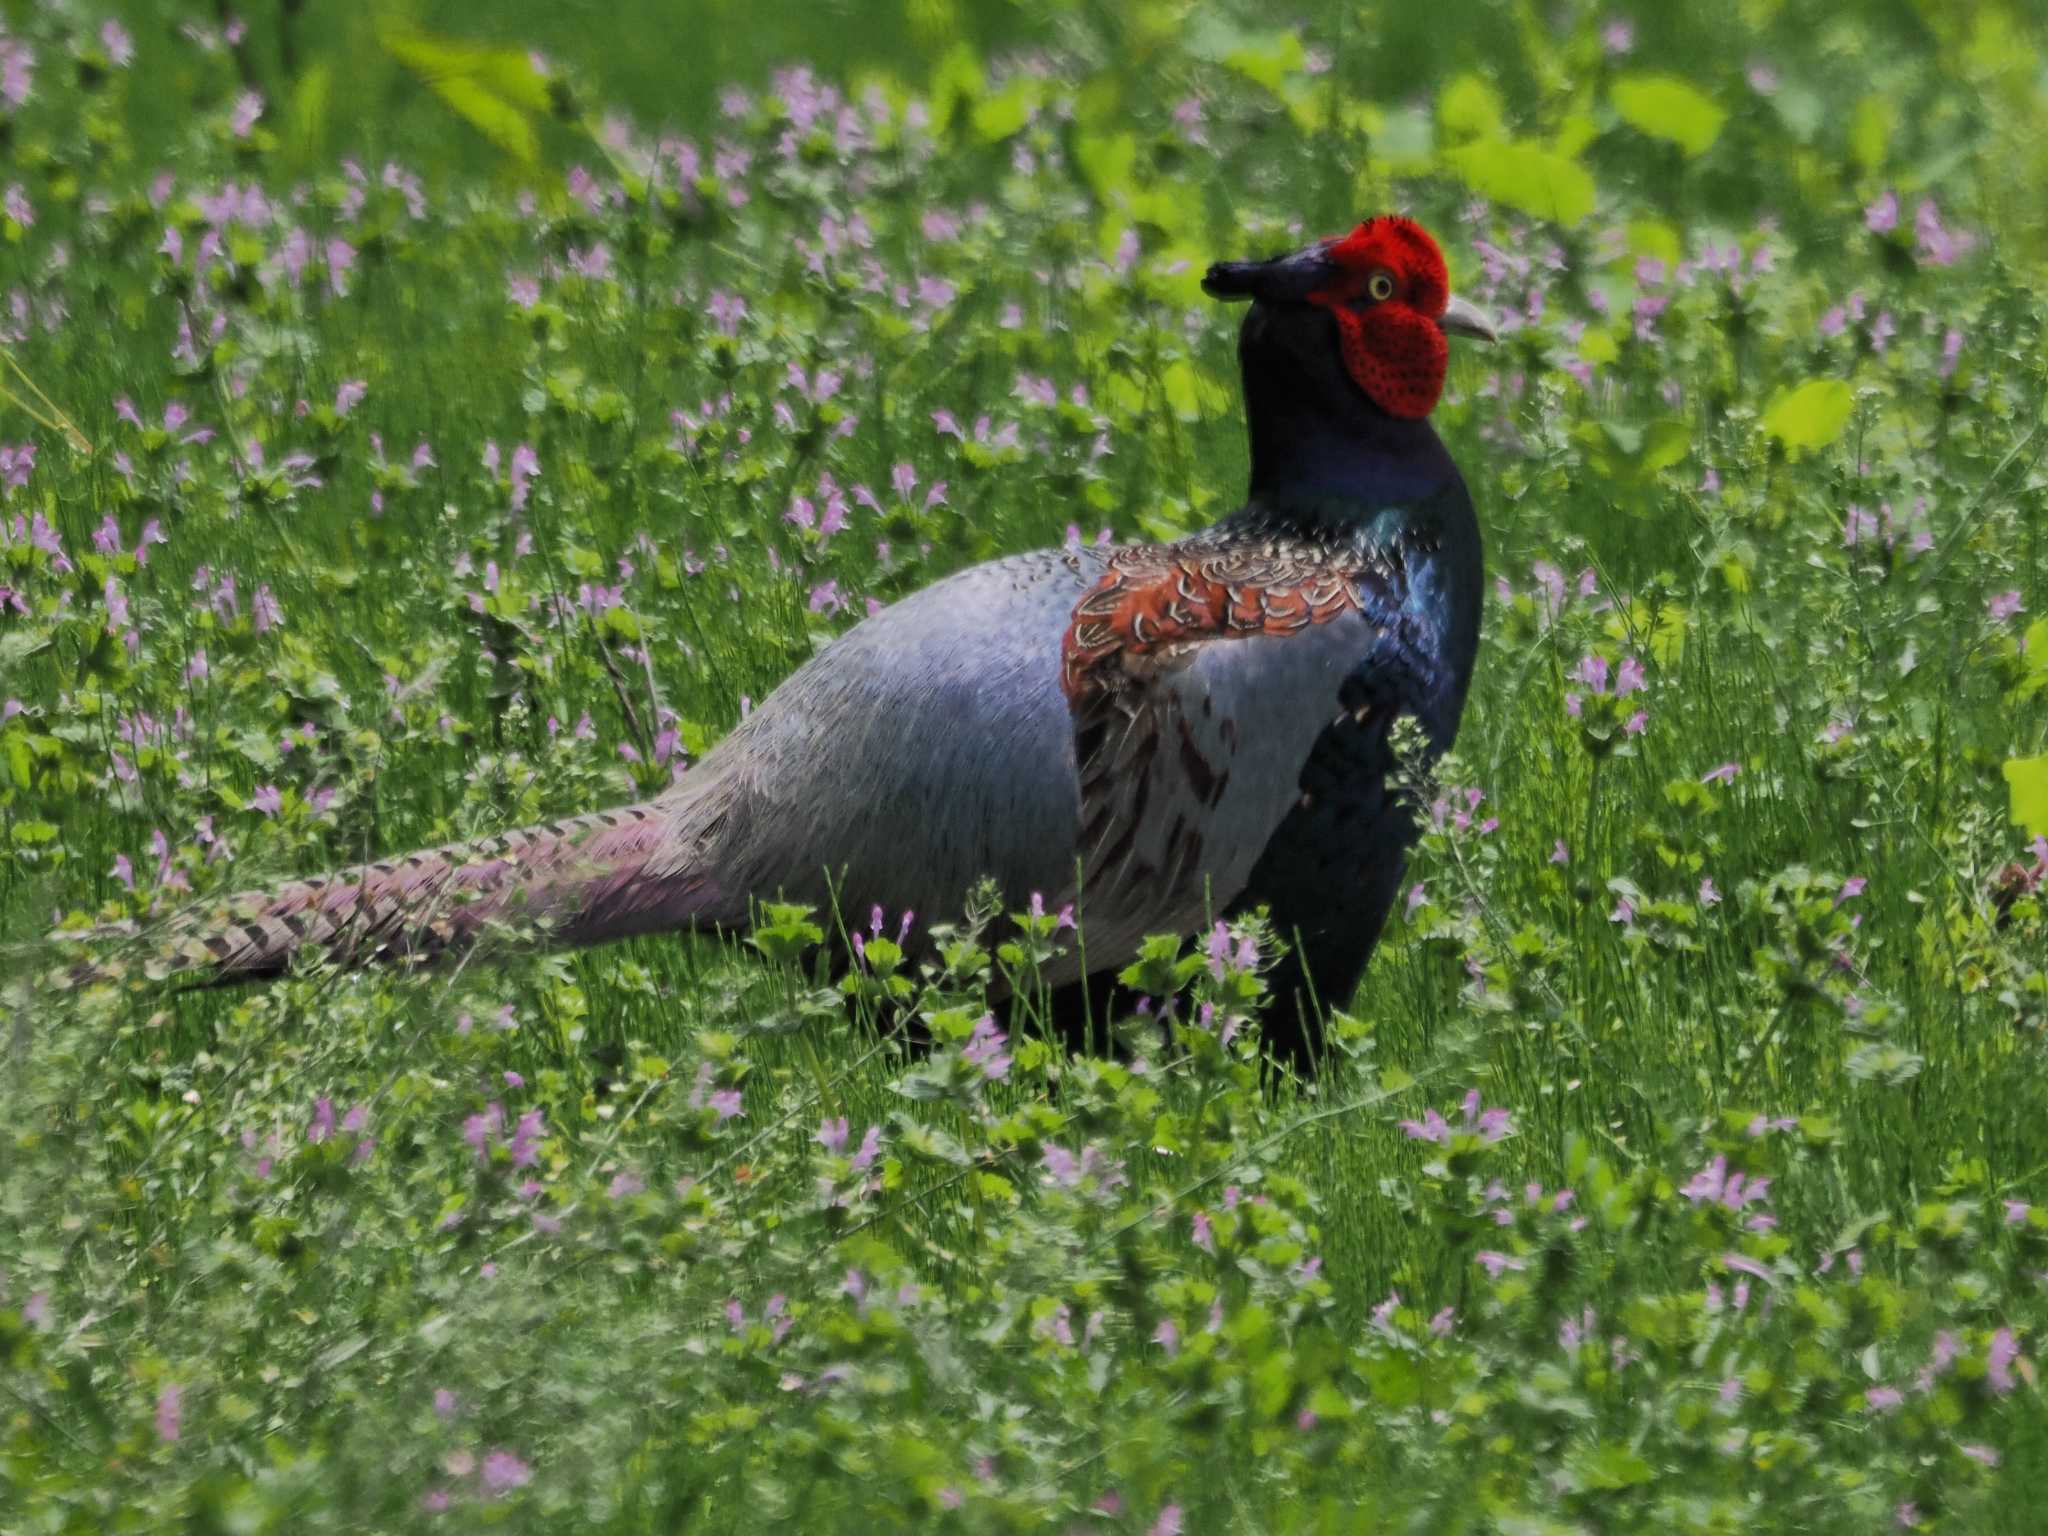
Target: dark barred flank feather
{"type": "Point", "coordinates": [1159, 733]}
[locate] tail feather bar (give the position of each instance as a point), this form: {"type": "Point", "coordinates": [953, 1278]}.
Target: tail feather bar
{"type": "Point", "coordinates": [585, 879]}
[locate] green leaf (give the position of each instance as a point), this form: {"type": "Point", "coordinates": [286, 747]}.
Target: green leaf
{"type": "Point", "coordinates": [1264, 58]}
{"type": "Point", "coordinates": [492, 89]}
{"type": "Point", "coordinates": [1870, 131]}
{"type": "Point", "coordinates": [1811, 416]}
{"type": "Point", "coordinates": [2027, 778]}
{"type": "Point", "coordinates": [1525, 176]}
{"type": "Point", "coordinates": [956, 82]}
{"type": "Point", "coordinates": [1470, 108]}
{"type": "Point", "coordinates": [1611, 1467]}
{"type": "Point", "coordinates": [1268, 58]}
{"type": "Point", "coordinates": [1635, 454]}
{"type": "Point", "coordinates": [1666, 107]}
{"type": "Point", "coordinates": [2035, 677]}
{"type": "Point", "coordinates": [999, 116]}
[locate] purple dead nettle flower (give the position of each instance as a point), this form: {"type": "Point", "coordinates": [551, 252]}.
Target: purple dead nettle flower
{"type": "Point", "coordinates": [1951, 353]}
{"type": "Point", "coordinates": [17, 71]}
{"type": "Point", "coordinates": [479, 1129]}
{"type": "Point", "coordinates": [984, 1049]}
{"type": "Point", "coordinates": [2004, 605]}
{"type": "Point", "coordinates": [1489, 1125]}
{"type": "Point", "coordinates": [1999, 1357]}
{"type": "Point", "coordinates": [502, 1472]}
{"type": "Point", "coordinates": [1593, 673]}
{"type": "Point", "coordinates": [1736, 1192]}
{"type": "Point", "coordinates": [1934, 244]}
{"type": "Point", "coordinates": [119, 46]}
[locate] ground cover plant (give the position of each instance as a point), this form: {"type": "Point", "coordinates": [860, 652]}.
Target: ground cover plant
{"type": "Point", "coordinates": [405, 434]}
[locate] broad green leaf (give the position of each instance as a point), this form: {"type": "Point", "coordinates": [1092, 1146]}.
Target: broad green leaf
{"type": "Point", "coordinates": [1189, 395]}
{"type": "Point", "coordinates": [2027, 779]}
{"type": "Point", "coordinates": [2035, 677]}
{"type": "Point", "coordinates": [1107, 161]}
{"type": "Point", "coordinates": [1610, 1467]}
{"type": "Point", "coordinates": [504, 125]}
{"type": "Point", "coordinates": [1870, 131]}
{"type": "Point", "coordinates": [1666, 107]}
{"type": "Point", "coordinates": [957, 81]}
{"type": "Point", "coordinates": [1268, 58]}
{"type": "Point", "coordinates": [1525, 176]}
{"type": "Point", "coordinates": [306, 116]}
{"type": "Point", "coordinates": [1007, 111]}
{"type": "Point", "coordinates": [1265, 58]}
{"type": "Point", "coordinates": [1635, 453]}
{"type": "Point", "coordinates": [1470, 108]}
{"type": "Point", "coordinates": [492, 89]}
{"type": "Point", "coordinates": [1655, 238]}
{"type": "Point", "coordinates": [1811, 416]}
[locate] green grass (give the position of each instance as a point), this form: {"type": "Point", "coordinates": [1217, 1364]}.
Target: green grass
{"type": "Point", "coordinates": [577, 1242]}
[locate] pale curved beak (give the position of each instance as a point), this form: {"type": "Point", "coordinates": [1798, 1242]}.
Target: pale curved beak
{"type": "Point", "coordinates": [1462, 318]}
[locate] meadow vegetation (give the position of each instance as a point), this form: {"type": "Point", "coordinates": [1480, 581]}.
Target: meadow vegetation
{"type": "Point", "coordinates": [416, 425]}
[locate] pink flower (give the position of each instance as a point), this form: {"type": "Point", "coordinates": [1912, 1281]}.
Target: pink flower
{"type": "Point", "coordinates": [1497, 1264]}
{"type": "Point", "coordinates": [1882, 216]}
{"type": "Point", "coordinates": [1168, 1523]}
{"type": "Point", "coordinates": [2004, 606]}
{"type": "Point", "coordinates": [1725, 774]}
{"type": "Point", "coordinates": [248, 108]}
{"type": "Point", "coordinates": [169, 1408]}
{"type": "Point", "coordinates": [119, 45]}
{"type": "Point", "coordinates": [1998, 1361]}
{"type": "Point", "coordinates": [525, 466]}
{"type": "Point", "coordinates": [984, 1049]}
{"type": "Point", "coordinates": [870, 1148]}
{"type": "Point", "coordinates": [1489, 1125]}
{"type": "Point", "coordinates": [1936, 245]}
{"type": "Point", "coordinates": [1742, 1263]}
{"type": "Point", "coordinates": [268, 799]}
{"type": "Point", "coordinates": [503, 1472]}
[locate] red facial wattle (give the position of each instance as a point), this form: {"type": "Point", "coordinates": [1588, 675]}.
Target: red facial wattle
{"type": "Point", "coordinates": [1393, 347]}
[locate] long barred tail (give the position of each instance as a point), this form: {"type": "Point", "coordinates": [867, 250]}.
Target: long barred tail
{"type": "Point", "coordinates": [578, 881]}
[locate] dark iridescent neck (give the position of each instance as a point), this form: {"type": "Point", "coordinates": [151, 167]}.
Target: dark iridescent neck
{"type": "Point", "coordinates": [1316, 439]}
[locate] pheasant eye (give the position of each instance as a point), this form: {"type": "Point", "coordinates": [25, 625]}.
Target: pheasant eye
{"type": "Point", "coordinates": [1380, 286]}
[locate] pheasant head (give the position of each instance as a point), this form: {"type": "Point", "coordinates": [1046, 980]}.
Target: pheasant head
{"type": "Point", "coordinates": [1378, 300]}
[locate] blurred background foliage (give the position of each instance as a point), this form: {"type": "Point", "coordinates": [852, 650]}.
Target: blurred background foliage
{"type": "Point", "coordinates": [1378, 104]}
